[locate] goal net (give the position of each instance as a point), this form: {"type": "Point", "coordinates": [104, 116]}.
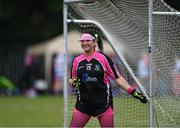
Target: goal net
{"type": "Point", "coordinates": [166, 56]}
{"type": "Point", "coordinates": [126, 24]}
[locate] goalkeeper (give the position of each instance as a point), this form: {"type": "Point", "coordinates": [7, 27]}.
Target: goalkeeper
{"type": "Point", "coordinates": [90, 74]}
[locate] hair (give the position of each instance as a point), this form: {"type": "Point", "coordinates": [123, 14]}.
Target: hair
{"type": "Point", "coordinates": [98, 40]}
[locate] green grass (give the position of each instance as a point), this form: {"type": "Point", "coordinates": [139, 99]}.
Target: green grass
{"type": "Point", "coordinates": [47, 111]}
{"type": "Point", "coordinates": [44, 111]}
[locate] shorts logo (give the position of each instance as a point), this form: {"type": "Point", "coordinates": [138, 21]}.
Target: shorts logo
{"type": "Point", "coordinates": [97, 67]}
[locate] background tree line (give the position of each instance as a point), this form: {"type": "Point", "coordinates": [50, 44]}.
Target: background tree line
{"type": "Point", "coordinates": [23, 23]}
{"type": "Point", "coordinates": [30, 21]}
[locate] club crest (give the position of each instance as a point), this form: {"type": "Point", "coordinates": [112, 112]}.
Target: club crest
{"type": "Point", "coordinates": [97, 67]}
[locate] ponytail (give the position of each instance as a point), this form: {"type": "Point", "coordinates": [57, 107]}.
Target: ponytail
{"type": "Point", "coordinates": [99, 41]}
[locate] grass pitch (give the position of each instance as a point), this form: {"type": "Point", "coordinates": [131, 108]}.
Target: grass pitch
{"type": "Point", "coordinates": [47, 111]}
{"type": "Point", "coordinates": [44, 111]}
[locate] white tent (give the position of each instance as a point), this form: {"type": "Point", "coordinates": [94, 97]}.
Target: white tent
{"type": "Point", "coordinates": [56, 45]}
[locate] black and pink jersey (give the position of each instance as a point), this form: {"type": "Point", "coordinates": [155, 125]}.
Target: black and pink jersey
{"type": "Point", "coordinates": [94, 94]}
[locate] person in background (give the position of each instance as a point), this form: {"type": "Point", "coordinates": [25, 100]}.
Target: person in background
{"type": "Point", "coordinates": [176, 86]}
{"type": "Point", "coordinates": [90, 74]}
{"type": "Point", "coordinates": [29, 75]}
{"type": "Point", "coordinates": [58, 74]}
{"type": "Point", "coordinates": [177, 66]}
{"type": "Point", "coordinates": [142, 69]}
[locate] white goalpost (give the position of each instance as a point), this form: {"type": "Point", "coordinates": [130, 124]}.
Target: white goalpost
{"type": "Point", "coordinates": [141, 27]}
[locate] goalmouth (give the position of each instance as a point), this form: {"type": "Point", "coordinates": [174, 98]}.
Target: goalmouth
{"type": "Point", "coordinates": [141, 26]}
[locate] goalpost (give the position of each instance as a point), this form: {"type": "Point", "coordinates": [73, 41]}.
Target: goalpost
{"type": "Point", "coordinates": [139, 26]}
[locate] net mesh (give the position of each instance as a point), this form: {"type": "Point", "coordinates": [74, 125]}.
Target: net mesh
{"type": "Point", "coordinates": [127, 23]}
{"type": "Point", "coordinates": [166, 53]}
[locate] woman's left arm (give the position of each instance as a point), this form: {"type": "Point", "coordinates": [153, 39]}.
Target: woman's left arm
{"type": "Point", "coordinates": [124, 84]}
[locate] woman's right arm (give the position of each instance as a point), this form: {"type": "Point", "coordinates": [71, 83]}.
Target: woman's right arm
{"type": "Point", "coordinates": [73, 71]}
{"type": "Point", "coordinates": [70, 81]}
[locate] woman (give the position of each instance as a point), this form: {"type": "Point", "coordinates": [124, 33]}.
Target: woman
{"type": "Point", "coordinates": [90, 75]}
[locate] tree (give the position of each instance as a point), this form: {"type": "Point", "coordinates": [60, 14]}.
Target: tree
{"type": "Point", "coordinates": [174, 4]}
{"type": "Point", "coordinates": [29, 21]}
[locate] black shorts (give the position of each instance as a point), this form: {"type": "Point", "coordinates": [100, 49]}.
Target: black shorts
{"type": "Point", "coordinates": [92, 109]}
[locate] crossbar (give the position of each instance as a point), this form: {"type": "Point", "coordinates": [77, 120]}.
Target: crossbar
{"type": "Point", "coordinates": [78, 1]}
{"type": "Point", "coordinates": [166, 13]}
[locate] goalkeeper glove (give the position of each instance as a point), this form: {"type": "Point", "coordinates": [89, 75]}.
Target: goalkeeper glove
{"type": "Point", "coordinates": [76, 82]}
{"type": "Point", "coordinates": [139, 96]}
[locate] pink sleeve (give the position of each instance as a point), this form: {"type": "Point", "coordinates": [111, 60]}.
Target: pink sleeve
{"type": "Point", "coordinates": [74, 68]}
{"type": "Point", "coordinates": [112, 69]}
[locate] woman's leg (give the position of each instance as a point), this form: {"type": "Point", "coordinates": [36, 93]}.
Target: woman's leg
{"type": "Point", "coordinates": [79, 119]}
{"type": "Point", "coordinates": [106, 119]}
